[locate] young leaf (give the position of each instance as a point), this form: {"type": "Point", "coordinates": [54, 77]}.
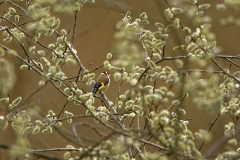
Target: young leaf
{"type": "Point", "coordinates": [4, 100]}
{"type": "Point", "coordinates": [177, 10]}
{"type": "Point", "coordinates": [178, 48]}
{"type": "Point", "coordinates": [192, 1]}
{"type": "Point", "coordinates": [17, 101]}
{"type": "Point", "coordinates": [204, 6]}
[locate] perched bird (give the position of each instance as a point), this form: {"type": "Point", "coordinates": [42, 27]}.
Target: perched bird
{"type": "Point", "coordinates": [102, 82]}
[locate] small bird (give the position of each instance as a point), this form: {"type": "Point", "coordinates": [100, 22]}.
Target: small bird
{"type": "Point", "coordinates": [102, 82]}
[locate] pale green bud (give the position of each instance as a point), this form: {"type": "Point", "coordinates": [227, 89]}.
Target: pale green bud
{"type": "Point", "coordinates": [148, 87]}
{"type": "Point", "coordinates": [130, 102]}
{"type": "Point", "coordinates": [168, 14]}
{"type": "Point", "coordinates": [67, 90]}
{"type": "Point", "coordinates": [12, 10]}
{"type": "Point", "coordinates": [48, 129]}
{"type": "Point", "coordinates": [69, 120]}
{"type": "Point", "coordinates": [109, 56]}
{"type": "Point", "coordinates": [187, 30]}
{"type": "Point", "coordinates": [177, 10]}
{"type": "Point", "coordinates": [2, 52]}
{"type": "Point", "coordinates": [106, 64]}
{"type": "Point", "coordinates": [117, 76]}
{"type": "Point", "coordinates": [133, 82]}
{"type": "Point", "coordinates": [41, 83]}
{"type": "Point", "coordinates": [192, 1]}
{"type": "Point", "coordinates": [41, 53]}
{"type": "Point", "coordinates": [16, 101]}
{"type": "Point", "coordinates": [122, 97]}
{"type": "Point", "coordinates": [157, 56]}
{"type": "Point", "coordinates": [24, 67]}
{"type": "Point", "coordinates": [221, 7]}
{"type": "Point", "coordinates": [182, 111]}
{"type": "Point", "coordinates": [204, 6]}
{"type": "Point", "coordinates": [176, 23]}
{"type": "Point", "coordinates": [12, 52]}
{"type": "Point", "coordinates": [233, 142]}
{"type": "Point", "coordinates": [4, 100]}
{"type": "Point", "coordinates": [164, 113]}
{"type": "Point", "coordinates": [179, 48]}
{"type": "Point", "coordinates": [36, 130]}
{"type": "Point", "coordinates": [159, 25]}
{"type": "Point", "coordinates": [71, 61]}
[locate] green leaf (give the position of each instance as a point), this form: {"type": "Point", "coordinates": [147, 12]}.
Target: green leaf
{"type": "Point", "coordinates": [16, 101]}
{"type": "Point", "coordinates": [117, 76]}
{"type": "Point", "coordinates": [164, 113]}
{"type": "Point", "coordinates": [206, 26]}
{"type": "Point", "coordinates": [148, 87]}
{"type": "Point", "coordinates": [67, 155]}
{"type": "Point", "coordinates": [16, 18]}
{"type": "Point", "coordinates": [69, 120]}
{"type": "Point", "coordinates": [159, 25]}
{"type": "Point", "coordinates": [192, 1]}
{"type": "Point", "coordinates": [168, 14]}
{"type": "Point", "coordinates": [128, 25]}
{"type": "Point", "coordinates": [3, 124]}
{"type": "Point", "coordinates": [7, 15]}
{"type": "Point", "coordinates": [179, 48]}
{"type": "Point", "coordinates": [204, 6]}
{"type": "Point", "coordinates": [41, 53]}
{"type": "Point", "coordinates": [145, 22]}
{"type": "Point", "coordinates": [176, 23]}
{"type": "Point", "coordinates": [221, 7]}
{"type": "Point", "coordinates": [160, 44]}
{"type": "Point", "coordinates": [59, 62]}
{"type": "Point", "coordinates": [142, 37]}
{"type": "Point", "coordinates": [156, 56]}
{"type": "Point", "coordinates": [127, 14]}
{"type": "Point", "coordinates": [56, 24]}
{"type": "Point", "coordinates": [148, 43]}
{"type": "Point", "coordinates": [24, 67]}
{"type": "Point", "coordinates": [122, 97]}
{"type": "Point", "coordinates": [48, 129]}
{"type": "Point", "coordinates": [36, 130]}
{"type": "Point", "coordinates": [152, 64]}
{"type": "Point", "coordinates": [71, 61]}
{"type": "Point", "coordinates": [4, 100]}
{"type": "Point", "coordinates": [76, 7]}
{"type": "Point", "coordinates": [169, 28]}
{"type": "Point", "coordinates": [188, 39]}
{"type": "Point", "coordinates": [177, 10]}
{"type": "Point", "coordinates": [213, 45]}
{"type": "Point", "coordinates": [187, 30]}
{"type": "Point", "coordinates": [109, 56]}
{"type": "Point", "coordinates": [191, 47]}
{"type": "Point", "coordinates": [8, 39]}
{"type": "Point", "coordinates": [2, 52]}
{"type": "Point", "coordinates": [179, 63]}
{"type": "Point", "coordinates": [12, 10]}
{"type": "Point", "coordinates": [143, 15]}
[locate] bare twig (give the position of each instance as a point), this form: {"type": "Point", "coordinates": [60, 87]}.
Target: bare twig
{"type": "Point", "coordinates": [209, 129]}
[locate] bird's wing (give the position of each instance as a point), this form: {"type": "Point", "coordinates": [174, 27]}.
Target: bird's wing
{"type": "Point", "coordinates": [97, 86]}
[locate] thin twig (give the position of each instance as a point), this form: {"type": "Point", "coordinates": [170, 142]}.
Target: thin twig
{"type": "Point", "coordinates": [62, 109]}
{"type": "Point", "coordinates": [209, 129]}
{"type": "Point", "coordinates": [220, 67]}
{"type": "Point", "coordinates": [74, 25]}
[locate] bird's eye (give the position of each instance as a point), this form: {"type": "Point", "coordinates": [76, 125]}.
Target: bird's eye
{"type": "Point", "coordinates": [106, 73]}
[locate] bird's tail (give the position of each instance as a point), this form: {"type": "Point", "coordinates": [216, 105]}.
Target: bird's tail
{"type": "Point", "coordinates": [96, 87]}
{"type": "Point", "coordinates": [94, 90]}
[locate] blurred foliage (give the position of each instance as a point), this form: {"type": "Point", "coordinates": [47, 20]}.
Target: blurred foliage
{"type": "Point", "coordinates": [7, 76]}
